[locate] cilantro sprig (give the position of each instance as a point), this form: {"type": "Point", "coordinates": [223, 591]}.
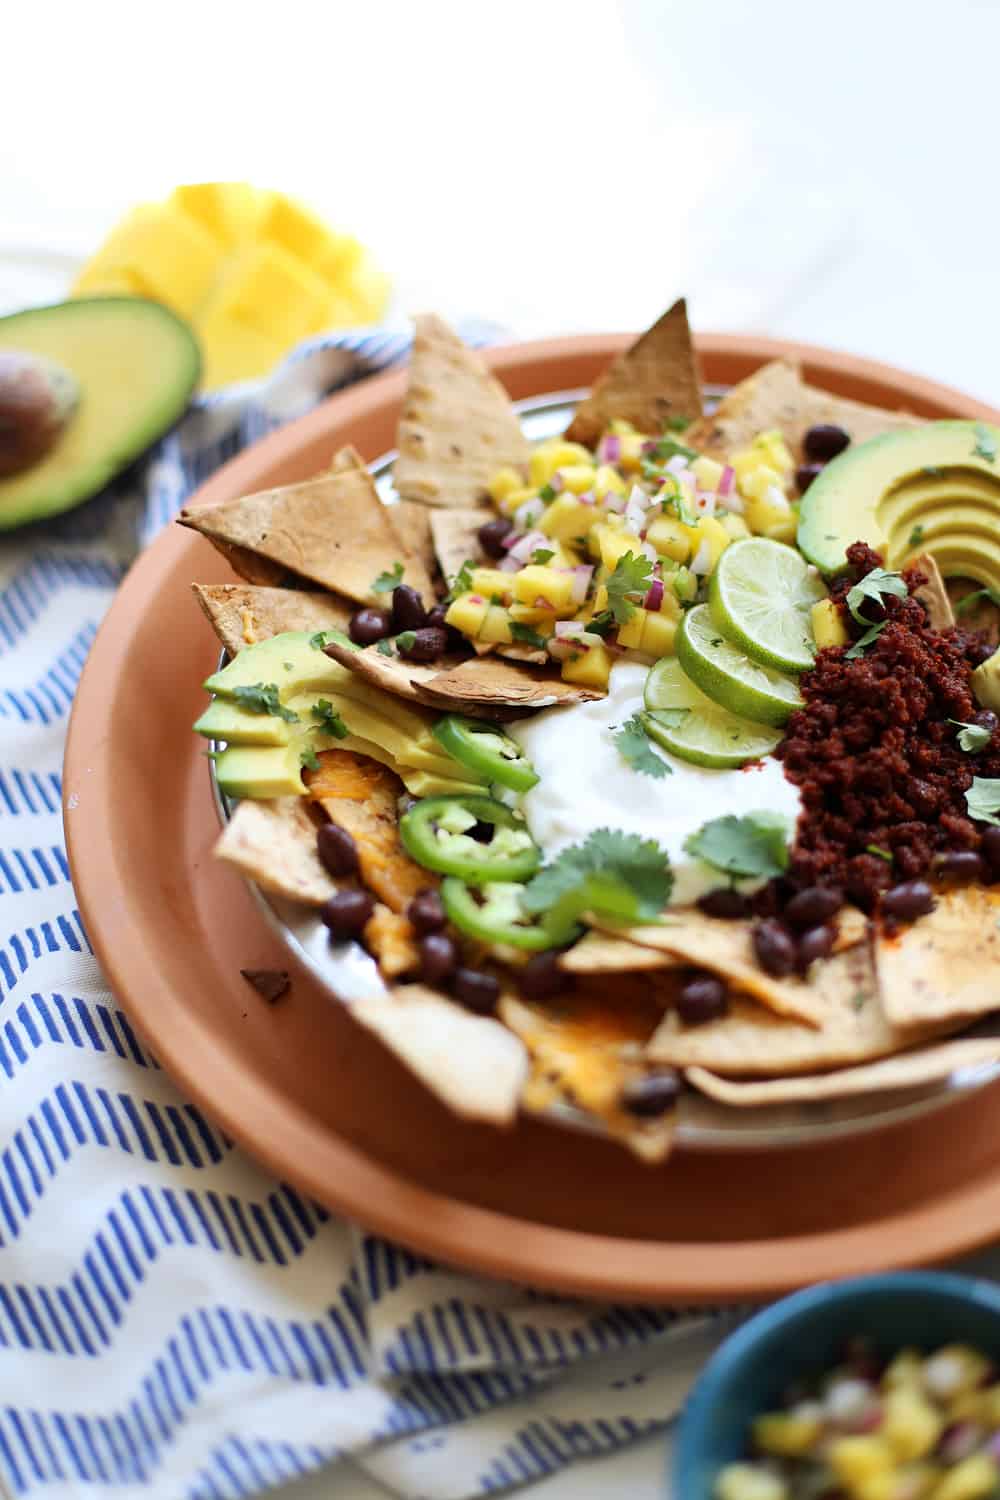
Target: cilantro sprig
{"type": "Point", "coordinates": [985, 444]}
{"type": "Point", "coordinates": [873, 586]}
{"type": "Point", "coordinates": [633, 746]}
{"type": "Point", "coordinates": [387, 581]}
{"type": "Point", "coordinates": [462, 581]}
{"type": "Point", "coordinates": [971, 737]}
{"type": "Point", "coordinates": [262, 698]}
{"type": "Point", "coordinates": [329, 720]}
{"type": "Point", "coordinates": [610, 869]}
{"type": "Point", "coordinates": [628, 586]}
{"type": "Point", "coordinates": [868, 639]}
{"type": "Point", "coordinates": [755, 844]}
{"type": "Point", "coordinates": [971, 600]}
{"type": "Point", "coordinates": [525, 636]}
{"type": "Point", "coordinates": [983, 799]}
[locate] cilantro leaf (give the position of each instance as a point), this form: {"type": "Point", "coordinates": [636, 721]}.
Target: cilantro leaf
{"type": "Point", "coordinates": [869, 638]}
{"type": "Point", "coordinates": [384, 647]}
{"type": "Point", "coordinates": [983, 799]}
{"type": "Point", "coordinates": [756, 844]}
{"type": "Point", "coordinates": [542, 555]}
{"type": "Point", "coordinates": [386, 582]}
{"type": "Point", "coordinates": [602, 624]}
{"type": "Point", "coordinates": [628, 584]}
{"type": "Point", "coordinates": [462, 581]}
{"type": "Point", "coordinates": [916, 536]}
{"type": "Point", "coordinates": [638, 867]}
{"type": "Point", "coordinates": [667, 448]}
{"type": "Point", "coordinates": [873, 586]}
{"type": "Point", "coordinates": [405, 640]}
{"type": "Point", "coordinates": [971, 600]}
{"type": "Point", "coordinates": [309, 759]}
{"type": "Point", "coordinates": [329, 720]}
{"type": "Point", "coordinates": [526, 636]}
{"type": "Point", "coordinates": [678, 424]}
{"type": "Point", "coordinates": [676, 501]}
{"type": "Point", "coordinates": [971, 737]}
{"type": "Point", "coordinates": [262, 698]}
{"type": "Point", "coordinates": [877, 849]}
{"type": "Point", "coordinates": [985, 444]}
{"type": "Point", "coordinates": [547, 492]}
{"type": "Point", "coordinates": [634, 748]}
{"type": "Point", "coordinates": [318, 640]}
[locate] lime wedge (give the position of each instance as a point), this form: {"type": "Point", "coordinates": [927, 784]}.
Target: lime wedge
{"type": "Point", "coordinates": [729, 676]}
{"type": "Point", "coordinates": [684, 721]}
{"type": "Point", "coordinates": [760, 596]}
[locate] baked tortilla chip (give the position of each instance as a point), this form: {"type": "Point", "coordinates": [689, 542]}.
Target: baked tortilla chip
{"type": "Point", "coordinates": [776, 396]}
{"type": "Point", "coordinates": [457, 426]}
{"type": "Point", "coordinates": [583, 1053]}
{"type": "Point", "coordinates": [474, 1065]}
{"type": "Point", "coordinates": [946, 965]}
{"type": "Point", "coordinates": [908, 1070]}
{"type": "Point", "coordinates": [412, 523]}
{"type": "Point", "coordinates": [455, 534]}
{"type": "Point", "coordinates": [933, 595]}
{"type": "Point", "coordinates": [241, 614]}
{"type": "Point", "coordinates": [248, 565]}
{"type": "Point", "coordinates": [273, 843]}
{"type": "Point", "coordinates": [652, 382]}
{"type": "Point", "coordinates": [333, 530]}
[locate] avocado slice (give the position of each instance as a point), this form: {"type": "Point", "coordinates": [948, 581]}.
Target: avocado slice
{"type": "Point", "coordinates": [260, 771]}
{"type": "Point", "coordinates": [224, 720]}
{"type": "Point", "coordinates": [880, 490]}
{"type": "Point", "coordinates": [289, 660]}
{"type": "Point", "coordinates": [136, 365]}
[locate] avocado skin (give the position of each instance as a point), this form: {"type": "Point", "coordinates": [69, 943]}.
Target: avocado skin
{"type": "Point", "coordinates": [853, 497]}
{"type": "Point", "coordinates": [137, 365]}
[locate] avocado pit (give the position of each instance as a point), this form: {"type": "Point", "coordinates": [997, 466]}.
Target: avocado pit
{"type": "Point", "coordinates": [38, 397]}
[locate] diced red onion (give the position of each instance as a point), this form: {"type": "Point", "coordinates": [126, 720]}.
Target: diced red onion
{"type": "Point", "coordinates": [566, 629]}
{"type": "Point", "coordinates": [609, 449]}
{"type": "Point", "coordinates": [527, 514]}
{"type": "Point", "coordinates": [614, 501]}
{"type": "Point", "coordinates": [581, 582]}
{"type": "Point", "coordinates": [727, 481]}
{"type": "Point", "coordinates": [541, 602]}
{"type": "Point", "coordinates": [557, 482]}
{"type": "Point", "coordinates": [959, 1441]}
{"type": "Point", "coordinates": [732, 502]}
{"type": "Point", "coordinates": [586, 498]}
{"type": "Point", "coordinates": [702, 560]}
{"type": "Point", "coordinates": [705, 501]}
{"type": "Point", "coordinates": [529, 543]}
{"type": "Point", "coordinates": [509, 565]}
{"type": "Point", "coordinates": [649, 551]}
{"type": "Point", "coordinates": [635, 514]}
{"type": "Point", "coordinates": [654, 597]}
{"type": "Point", "coordinates": [993, 1446]}
{"type": "Point", "coordinates": [677, 465]}
{"type": "Point", "coordinates": [476, 599]}
{"type": "Point", "coordinates": [562, 650]}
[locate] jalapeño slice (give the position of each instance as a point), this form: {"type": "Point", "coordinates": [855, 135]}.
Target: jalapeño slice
{"type": "Point", "coordinates": [487, 751]}
{"type": "Point", "coordinates": [439, 833]}
{"type": "Point", "coordinates": [499, 918]}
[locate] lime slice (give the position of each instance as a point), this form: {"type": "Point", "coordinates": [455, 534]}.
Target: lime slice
{"type": "Point", "coordinates": [760, 595]}
{"type": "Point", "coordinates": [684, 721]}
{"type": "Point", "coordinates": [729, 676]}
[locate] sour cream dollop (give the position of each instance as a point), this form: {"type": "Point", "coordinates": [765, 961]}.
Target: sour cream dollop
{"type": "Point", "coordinates": [585, 784]}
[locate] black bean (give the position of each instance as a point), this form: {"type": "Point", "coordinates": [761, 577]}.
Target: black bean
{"type": "Point", "coordinates": [491, 536]}
{"type": "Point", "coordinates": [726, 902]}
{"type": "Point", "coordinates": [337, 851]}
{"type": "Point", "coordinates": [986, 719]}
{"type": "Point", "coordinates": [479, 991]}
{"type": "Point", "coordinates": [960, 864]}
{"type": "Point", "coordinates": [369, 626]}
{"type": "Point", "coordinates": [774, 947]}
{"type": "Point", "coordinates": [990, 850]}
{"type": "Point", "coordinates": [702, 998]}
{"type": "Point", "coordinates": [772, 897]}
{"type": "Point", "coordinates": [427, 644]}
{"type": "Point", "coordinates": [542, 976]}
{"type": "Point", "coordinates": [651, 1094]}
{"type": "Point", "coordinates": [347, 912]}
{"type": "Point", "coordinates": [436, 616]}
{"type": "Point", "coordinates": [408, 611]}
{"type": "Point", "coordinates": [438, 957]}
{"type": "Point", "coordinates": [812, 906]}
{"type": "Point", "coordinates": [976, 652]}
{"type": "Point", "coordinates": [805, 474]}
{"type": "Point", "coordinates": [825, 441]}
{"type": "Point", "coordinates": [906, 902]}
{"type": "Point", "coordinates": [816, 942]}
{"type": "Point", "coordinates": [426, 912]}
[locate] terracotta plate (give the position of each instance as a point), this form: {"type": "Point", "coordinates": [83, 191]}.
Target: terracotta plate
{"type": "Point", "coordinates": [320, 1101]}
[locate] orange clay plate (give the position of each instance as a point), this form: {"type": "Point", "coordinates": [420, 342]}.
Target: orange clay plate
{"type": "Point", "coordinates": [320, 1101]}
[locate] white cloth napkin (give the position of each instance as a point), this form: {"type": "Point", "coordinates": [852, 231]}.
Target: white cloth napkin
{"type": "Point", "coordinates": [174, 1322]}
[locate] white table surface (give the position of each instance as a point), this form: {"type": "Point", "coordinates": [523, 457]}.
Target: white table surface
{"type": "Point", "coordinates": [823, 174]}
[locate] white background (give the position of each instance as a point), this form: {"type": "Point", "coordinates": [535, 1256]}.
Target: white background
{"type": "Point", "coordinates": [827, 173]}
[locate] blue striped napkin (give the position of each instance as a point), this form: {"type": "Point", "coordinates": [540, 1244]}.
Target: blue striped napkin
{"type": "Point", "coordinates": [173, 1321]}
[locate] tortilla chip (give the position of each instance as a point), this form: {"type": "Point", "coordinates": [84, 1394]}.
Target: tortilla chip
{"type": "Point", "coordinates": [530, 655]}
{"type": "Point", "coordinates": [933, 595]}
{"type": "Point", "coordinates": [945, 965]}
{"type": "Point", "coordinates": [457, 426]}
{"type": "Point", "coordinates": [249, 565]}
{"type": "Point", "coordinates": [653, 381]}
{"type": "Point", "coordinates": [776, 396]}
{"type": "Point", "coordinates": [455, 534]}
{"type": "Point", "coordinates": [346, 458]}
{"type": "Point", "coordinates": [907, 1071]}
{"type": "Point", "coordinates": [392, 938]}
{"type": "Point", "coordinates": [603, 953]}
{"type": "Point", "coordinates": [273, 843]}
{"type": "Point", "coordinates": [725, 948]}
{"type": "Point", "coordinates": [333, 530]}
{"type": "Point", "coordinates": [983, 615]}
{"type": "Point", "coordinates": [412, 524]}
{"type": "Point", "coordinates": [583, 1053]}
{"type": "Point", "coordinates": [241, 614]}
{"type": "Point", "coordinates": [474, 1065]}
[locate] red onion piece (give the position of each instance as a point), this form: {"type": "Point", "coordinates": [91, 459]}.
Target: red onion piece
{"type": "Point", "coordinates": [727, 481]}
{"type": "Point", "coordinates": [581, 582]}
{"type": "Point", "coordinates": [654, 597]}
{"type": "Point", "coordinates": [609, 449]}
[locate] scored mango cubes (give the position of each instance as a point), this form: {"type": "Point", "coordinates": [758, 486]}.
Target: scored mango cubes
{"type": "Point", "coordinates": [252, 270]}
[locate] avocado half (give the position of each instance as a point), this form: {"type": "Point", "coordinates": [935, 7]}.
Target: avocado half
{"type": "Point", "coordinates": [935, 490]}
{"type": "Point", "coordinates": [136, 364]}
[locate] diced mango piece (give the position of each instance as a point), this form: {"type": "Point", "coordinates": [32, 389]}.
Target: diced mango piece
{"type": "Point", "coordinates": [496, 626]}
{"type": "Point", "coordinates": [173, 257]}
{"type": "Point", "coordinates": [787, 1434]}
{"type": "Point", "coordinates": [760, 514]}
{"type": "Point", "coordinates": [537, 581]}
{"type": "Point", "coordinates": [619, 427]}
{"type": "Point", "coordinates": [658, 633]}
{"type": "Point", "coordinates": [975, 1478]}
{"type": "Point", "coordinates": [630, 634]}
{"type": "Point", "coordinates": [711, 534]}
{"type": "Point", "coordinates": [526, 614]}
{"type": "Point", "coordinates": [735, 526]}
{"type": "Point", "coordinates": [503, 483]}
{"type": "Point", "coordinates": [592, 669]}
{"type": "Point", "coordinates": [268, 285]}
{"type": "Point", "coordinates": [911, 1425]}
{"type": "Point", "coordinates": [490, 581]}
{"type": "Point", "coordinates": [954, 1368]}
{"type": "Point", "coordinates": [231, 211]}
{"type": "Point", "coordinates": [855, 1459]}
{"type": "Point", "coordinates": [566, 518]}
{"type": "Point", "coordinates": [747, 1482]}
{"type": "Point", "coordinates": [630, 453]}
{"type": "Point", "coordinates": [775, 450]}
{"type": "Point", "coordinates": [707, 473]}
{"type": "Point", "coordinates": [977, 1406]}
{"type": "Point", "coordinates": [291, 225]}
{"type": "Point", "coordinates": [670, 538]}
{"type": "Point", "coordinates": [785, 530]}
{"type": "Point", "coordinates": [613, 544]}
{"type": "Point", "coordinates": [514, 499]}
{"type": "Point", "coordinates": [608, 481]}
{"type": "Point", "coordinates": [755, 483]}
{"type": "Point", "coordinates": [600, 598]}
{"type": "Point", "coordinates": [577, 478]}
{"type": "Point", "coordinates": [906, 1368]}
{"type": "Point", "coordinates": [828, 624]}
{"type": "Point", "coordinates": [467, 613]}
{"type": "Point", "coordinates": [556, 453]}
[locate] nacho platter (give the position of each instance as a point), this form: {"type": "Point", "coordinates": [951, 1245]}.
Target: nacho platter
{"type": "Point", "coordinates": [718, 1113]}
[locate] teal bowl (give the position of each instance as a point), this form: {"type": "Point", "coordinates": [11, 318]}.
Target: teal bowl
{"type": "Point", "coordinates": [804, 1335]}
